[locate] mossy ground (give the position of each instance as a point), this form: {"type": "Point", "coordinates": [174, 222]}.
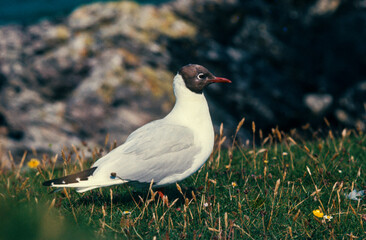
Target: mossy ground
{"type": "Point", "coordinates": [266, 191]}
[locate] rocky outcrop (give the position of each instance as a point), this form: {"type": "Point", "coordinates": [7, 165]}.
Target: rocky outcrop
{"type": "Point", "coordinates": [108, 67]}
{"type": "Point", "coordinates": [284, 57]}
{"type": "Point", "coordinates": [103, 70]}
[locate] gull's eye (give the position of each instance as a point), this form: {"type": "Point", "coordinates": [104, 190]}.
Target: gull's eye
{"type": "Point", "coordinates": [201, 76]}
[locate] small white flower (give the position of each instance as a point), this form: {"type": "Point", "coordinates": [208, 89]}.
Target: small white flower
{"type": "Point", "coordinates": [284, 153]}
{"type": "Point", "coordinates": [328, 217]}
{"type": "Point", "coordinates": [207, 204]}
{"type": "Point", "coordinates": [340, 171]}
{"type": "Point", "coordinates": [126, 213]}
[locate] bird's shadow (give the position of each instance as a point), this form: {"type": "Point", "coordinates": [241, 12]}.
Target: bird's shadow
{"type": "Point", "coordinates": [128, 195]}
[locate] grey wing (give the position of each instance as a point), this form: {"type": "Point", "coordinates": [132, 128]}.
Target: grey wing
{"type": "Point", "coordinates": [154, 151]}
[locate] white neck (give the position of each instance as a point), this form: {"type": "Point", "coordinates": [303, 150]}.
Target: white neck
{"type": "Point", "coordinates": [190, 108]}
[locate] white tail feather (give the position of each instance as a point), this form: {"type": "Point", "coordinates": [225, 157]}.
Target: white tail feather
{"type": "Point", "coordinates": [84, 186]}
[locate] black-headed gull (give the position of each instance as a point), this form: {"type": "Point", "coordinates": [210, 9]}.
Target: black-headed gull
{"type": "Point", "coordinates": [164, 151]}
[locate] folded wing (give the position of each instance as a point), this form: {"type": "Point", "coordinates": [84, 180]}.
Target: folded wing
{"type": "Point", "coordinates": [153, 152]}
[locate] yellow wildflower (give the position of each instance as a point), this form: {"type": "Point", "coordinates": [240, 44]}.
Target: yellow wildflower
{"type": "Point", "coordinates": [318, 213]}
{"type": "Point", "coordinates": [266, 161]}
{"type": "Point", "coordinates": [33, 163]}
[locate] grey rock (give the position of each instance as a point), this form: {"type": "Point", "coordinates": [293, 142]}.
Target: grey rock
{"type": "Point", "coordinates": [318, 103]}
{"type": "Point", "coordinates": [352, 106]}
{"type": "Point", "coordinates": [108, 68]}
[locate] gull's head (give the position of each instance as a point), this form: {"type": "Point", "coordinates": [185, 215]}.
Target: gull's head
{"type": "Point", "coordinates": [196, 78]}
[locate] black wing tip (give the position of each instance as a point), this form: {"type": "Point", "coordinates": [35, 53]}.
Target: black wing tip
{"type": "Point", "coordinates": [70, 178]}
{"type": "Point", "coordinates": [47, 183]}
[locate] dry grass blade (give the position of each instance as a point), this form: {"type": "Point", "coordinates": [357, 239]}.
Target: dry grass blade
{"type": "Point", "coordinates": [179, 189]}
{"type": "Point", "coordinates": [276, 187]}
{"type": "Point", "coordinates": [72, 207]}
{"type": "Point", "coordinates": [111, 195]}
{"type": "Point", "coordinates": [79, 160]}
{"type": "Point", "coordinates": [292, 140]}
{"type": "Point", "coordinates": [24, 184]}
{"type": "Point", "coordinates": [21, 164]}
{"type": "Point", "coordinates": [278, 182]}
{"type": "Point", "coordinates": [11, 161]}
{"type": "Point", "coordinates": [239, 125]}
{"type": "Point", "coordinates": [237, 130]}
{"type": "Point", "coordinates": [170, 206]}
{"type": "Point", "coordinates": [52, 203]}
{"type": "Point", "coordinates": [242, 230]}
{"type": "Point", "coordinates": [106, 140]}
{"type": "Point", "coordinates": [296, 215]}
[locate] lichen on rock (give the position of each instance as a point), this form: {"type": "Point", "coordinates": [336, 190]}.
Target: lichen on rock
{"type": "Point", "coordinates": [107, 65]}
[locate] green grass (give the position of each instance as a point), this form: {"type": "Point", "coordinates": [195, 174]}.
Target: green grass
{"type": "Point", "coordinates": [267, 191]}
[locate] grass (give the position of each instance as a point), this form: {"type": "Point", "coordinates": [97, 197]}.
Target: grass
{"type": "Point", "coordinates": [263, 191]}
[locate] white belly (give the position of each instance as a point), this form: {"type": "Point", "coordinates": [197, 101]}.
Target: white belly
{"type": "Point", "coordinates": [204, 137]}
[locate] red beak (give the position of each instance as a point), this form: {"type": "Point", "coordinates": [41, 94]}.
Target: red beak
{"type": "Point", "coordinates": [219, 80]}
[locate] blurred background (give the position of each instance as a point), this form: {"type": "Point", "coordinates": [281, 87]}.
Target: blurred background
{"type": "Point", "coordinates": [75, 71]}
